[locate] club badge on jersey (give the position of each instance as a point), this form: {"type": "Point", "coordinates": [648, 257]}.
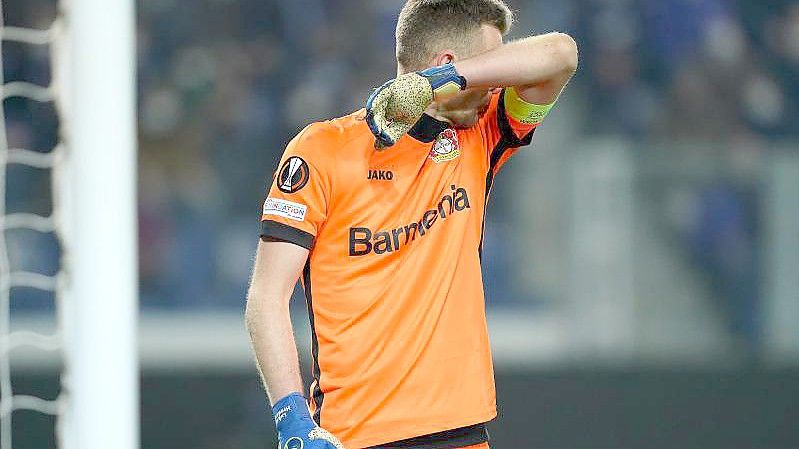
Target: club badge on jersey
{"type": "Point", "coordinates": [446, 147]}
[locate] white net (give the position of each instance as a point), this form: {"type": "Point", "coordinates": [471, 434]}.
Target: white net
{"type": "Point", "coordinates": [92, 215]}
{"type": "Point", "coordinates": [12, 278]}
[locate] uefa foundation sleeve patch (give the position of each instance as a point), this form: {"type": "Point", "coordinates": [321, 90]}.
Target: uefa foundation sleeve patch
{"type": "Point", "coordinates": [286, 209]}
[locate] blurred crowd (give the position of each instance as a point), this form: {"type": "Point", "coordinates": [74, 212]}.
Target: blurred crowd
{"type": "Point", "coordinates": [224, 84]}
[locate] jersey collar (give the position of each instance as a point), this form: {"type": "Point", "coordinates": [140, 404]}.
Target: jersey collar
{"type": "Point", "coordinates": [427, 129]}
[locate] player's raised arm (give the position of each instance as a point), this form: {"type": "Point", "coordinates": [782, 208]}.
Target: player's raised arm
{"type": "Point", "coordinates": [535, 70]}
{"type": "Point", "coordinates": [277, 268]}
{"type": "Point", "coordinates": [538, 67]}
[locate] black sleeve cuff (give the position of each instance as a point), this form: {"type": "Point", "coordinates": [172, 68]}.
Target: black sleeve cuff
{"type": "Point", "coordinates": [508, 136]}
{"type": "Point", "coordinates": [272, 230]}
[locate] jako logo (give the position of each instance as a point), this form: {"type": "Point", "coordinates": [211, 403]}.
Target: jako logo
{"type": "Point", "coordinates": [380, 175]}
{"type": "Point", "coordinates": [363, 240]}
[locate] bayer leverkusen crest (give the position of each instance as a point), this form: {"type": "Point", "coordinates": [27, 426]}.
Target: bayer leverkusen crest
{"type": "Point", "coordinates": [446, 147]}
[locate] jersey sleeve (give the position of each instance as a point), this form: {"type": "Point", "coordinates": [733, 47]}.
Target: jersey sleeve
{"type": "Point", "coordinates": [508, 124]}
{"type": "Point", "coordinates": [296, 205]}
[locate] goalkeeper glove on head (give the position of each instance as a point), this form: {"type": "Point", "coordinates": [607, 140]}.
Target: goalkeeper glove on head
{"type": "Point", "coordinates": [394, 107]}
{"type": "Point", "coordinates": [296, 429]}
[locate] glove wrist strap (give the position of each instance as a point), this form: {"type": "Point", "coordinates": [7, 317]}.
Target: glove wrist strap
{"type": "Point", "coordinates": [291, 408]}
{"type": "Point", "coordinates": [444, 80]}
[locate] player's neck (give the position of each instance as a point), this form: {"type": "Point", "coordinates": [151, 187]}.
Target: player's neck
{"type": "Point", "coordinates": [437, 113]}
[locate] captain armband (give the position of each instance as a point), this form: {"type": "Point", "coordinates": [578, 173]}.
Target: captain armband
{"type": "Point", "coordinates": [524, 112]}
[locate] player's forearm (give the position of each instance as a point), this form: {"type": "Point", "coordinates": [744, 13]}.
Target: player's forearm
{"type": "Point", "coordinates": [531, 61]}
{"type": "Point", "coordinates": [269, 325]}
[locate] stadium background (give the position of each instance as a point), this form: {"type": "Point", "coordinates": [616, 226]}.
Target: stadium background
{"type": "Point", "coordinates": [641, 261]}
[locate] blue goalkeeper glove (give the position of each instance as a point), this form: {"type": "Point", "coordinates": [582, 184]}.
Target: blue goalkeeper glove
{"type": "Point", "coordinates": [296, 429]}
{"type": "Point", "coordinates": [394, 107]}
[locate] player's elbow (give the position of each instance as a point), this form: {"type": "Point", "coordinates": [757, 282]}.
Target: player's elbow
{"type": "Point", "coordinates": [264, 304]}
{"type": "Point", "coordinates": [565, 52]}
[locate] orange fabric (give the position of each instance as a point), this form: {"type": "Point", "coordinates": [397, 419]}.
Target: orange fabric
{"type": "Point", "coordinates": [478, 446]}
{"type": "Point", "coordinates": [394, 276]}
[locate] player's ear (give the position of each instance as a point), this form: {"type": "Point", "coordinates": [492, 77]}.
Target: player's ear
{"type": "Point", "coordinates": [443, 57]}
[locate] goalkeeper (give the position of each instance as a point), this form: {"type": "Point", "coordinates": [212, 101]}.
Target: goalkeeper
{"type": "Point", "coordinates": [380, 213]}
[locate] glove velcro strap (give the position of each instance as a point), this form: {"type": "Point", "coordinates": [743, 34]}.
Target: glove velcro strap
{"type": "Point", "coordinates": [444, 80]}
{"type": "Point", "coordinates": [291, 408]}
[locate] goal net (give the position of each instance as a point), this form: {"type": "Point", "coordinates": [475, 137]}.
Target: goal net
{"type": "Point", "coordinates": [92, 178]}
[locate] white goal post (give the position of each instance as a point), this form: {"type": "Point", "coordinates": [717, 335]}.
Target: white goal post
{"type": "Point", "coordinates": [93, 170]}
{"type": "Point", "coordinates": [96, 78]}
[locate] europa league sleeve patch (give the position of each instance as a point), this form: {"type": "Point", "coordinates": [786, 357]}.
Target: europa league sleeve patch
{"type": "Point", "coordinates": [293, 175]}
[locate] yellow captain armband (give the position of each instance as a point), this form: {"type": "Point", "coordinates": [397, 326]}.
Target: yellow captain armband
{"type": "Point", "coordinates": [528, 113]}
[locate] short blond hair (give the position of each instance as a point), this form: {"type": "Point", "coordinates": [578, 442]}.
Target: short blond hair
{"type": "Point", "coordinates": [425, 27]}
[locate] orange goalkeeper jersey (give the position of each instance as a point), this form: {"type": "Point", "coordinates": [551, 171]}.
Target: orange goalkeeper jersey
{"type": "Point", "coordinates": [393, 283]}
